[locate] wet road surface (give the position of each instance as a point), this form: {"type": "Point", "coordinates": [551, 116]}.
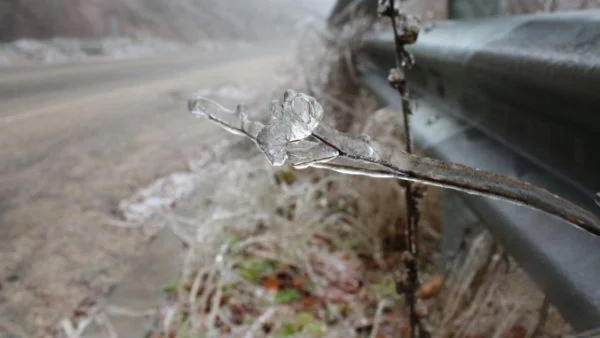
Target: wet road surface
{"type": "Point", "coordinates": [75, 139]}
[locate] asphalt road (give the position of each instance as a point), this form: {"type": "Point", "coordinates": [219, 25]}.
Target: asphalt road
{"type": "Point", "coordinates": [75, 139]}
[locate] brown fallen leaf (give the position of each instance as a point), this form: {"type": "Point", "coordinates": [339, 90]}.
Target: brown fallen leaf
{"type": "Point", "coordinates": [431, 288]}
{"type": "Point", "coordinates": [323, 239]}
{"type": "Point", "coordinates": [310, 303]}
{"type": "Point", "coordinates": [239, 312]}
{"type": "Point", "coordinates": [349, 287]}
{"type": "Point", "coordinates": [517, 331]}
{"type": "Point", "coordinates": [368, 261]}
{"type": "Point", "coordinates": [270, 283]}
{"type": "Point", "coordinates": [298, 282]}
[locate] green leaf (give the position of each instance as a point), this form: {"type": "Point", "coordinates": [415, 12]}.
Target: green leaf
{"type": "Point", "coordinates": [315, 329]}
{"type": "Point", "coordinates": [232, 238]}
{"type": "Point", "coordinates": [253, 269]}
{"type": "Point", "coordinates": [287, 296]}
{"type": "Point", "coordinates": [306, 322]}
{"type": "Point", "coordinates": [385, 288]}
{"type": "Point", "coordinates": [304, 318]}
{"type": "Point", "coordinates": [285, 176]}
{"type": "Point", "coordinates": [171, 288]}
{"type": "Point", "coordinates": [287, 330]}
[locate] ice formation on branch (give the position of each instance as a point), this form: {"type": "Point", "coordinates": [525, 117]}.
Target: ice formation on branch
{"type": "Point", "coordinates": [292, 120]}
{"type": "Point", "coordinates": [294, 135]}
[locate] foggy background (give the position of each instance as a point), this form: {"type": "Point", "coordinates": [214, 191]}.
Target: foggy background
{"type": "Point", "coordinates": [94, 147]}
{"type": "Point", "coordinates": [197, 20]}
{"type": "Point", "coordinates": [180, 20]}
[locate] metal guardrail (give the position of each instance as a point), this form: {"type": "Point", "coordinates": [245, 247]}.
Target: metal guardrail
{"type": "Point", "coordinates": [529, 81]}
{"type": "Point", "coordinates": [519, 96]}
{"type": "Point", "coordinates": [563, 261]}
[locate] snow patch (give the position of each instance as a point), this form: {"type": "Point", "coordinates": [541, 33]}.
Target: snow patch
{"type": "Point", "coordinates": [165, 193]}
{"type": "Point", "coordinates": [161, 196]}
{"type": "Point", "coordinates": [233, 92]}
{"type": "Point", "coordinates": [68, 50]}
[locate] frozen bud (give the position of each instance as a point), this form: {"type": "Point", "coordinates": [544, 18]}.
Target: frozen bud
{"type": "Point", "coordinates": [407, 257]}
{"type": "Point", "coordinates": [408, 26]}
{"type": "Point", "coordinates": [302, 114]}
{"type": "Point", "coordinates": [402, 287]}
{"type": "Point", "coordinates": [421, 310]}
{"type": "Point", "coordinates": [408, 60]}
{"type": "Point", "coordinates": [292, 120]}
{"type": "Point", "coordinates": [419, 189]}
{"type": "Point", "coordinates": [397, 78]}
{"type": "Point", "coordinates": [384, 8]}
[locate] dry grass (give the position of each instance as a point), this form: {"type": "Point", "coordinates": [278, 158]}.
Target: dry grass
{"type": "Point", "coordinates": [488, 295]}
{"type": "Point", "coordinates": [311, 253]}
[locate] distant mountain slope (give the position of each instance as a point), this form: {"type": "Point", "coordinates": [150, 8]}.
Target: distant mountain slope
{"type": "Point", "coordinates": [187, 20]}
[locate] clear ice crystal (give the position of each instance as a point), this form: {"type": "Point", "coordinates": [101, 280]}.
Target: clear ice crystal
{"type": "Point", "coordinates": [350, 145]}
{"type": "Point", "coordinates": [292, 120]}
{"type": "Point", "coordinates": [236, 122]}
{"type": "Point", "coordinates": [302, 154]}
{"type": "Point", "coordinates": [597, 198]}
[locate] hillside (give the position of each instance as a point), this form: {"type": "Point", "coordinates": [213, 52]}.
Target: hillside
{"type": "Point", "coordinates": [183, 20]}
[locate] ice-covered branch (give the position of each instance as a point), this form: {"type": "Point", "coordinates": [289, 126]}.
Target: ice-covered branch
{"type": "Point", "coordinates": [295, 135]}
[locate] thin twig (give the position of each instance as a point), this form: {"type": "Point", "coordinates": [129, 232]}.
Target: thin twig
{"type": "Point", "coordinates": [398, 80]}
{"type": "Point", "coordinates": [351, 155]}
{"type": "Point", "coordinates": [262, 320]}
{"type": "Point", "coordinates": [114, 310]}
